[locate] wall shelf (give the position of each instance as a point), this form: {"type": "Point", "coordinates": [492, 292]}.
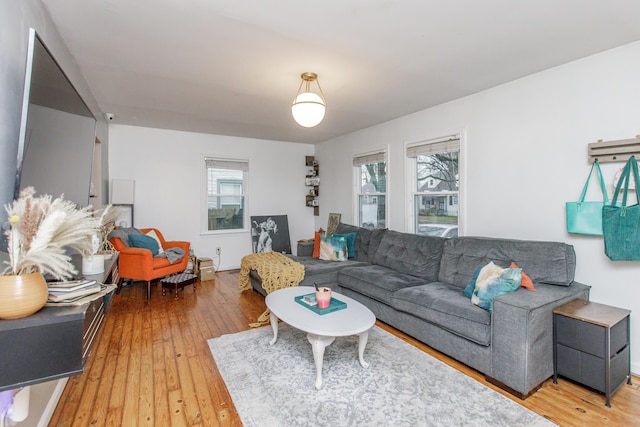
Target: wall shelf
{"type": "Point", "coordinates": [312, 181]}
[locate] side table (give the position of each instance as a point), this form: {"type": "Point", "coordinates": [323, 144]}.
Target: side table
{"type": "Point", "coordinates": [305, 247]}
{"type": "Point", "coordinates": [591, 344]}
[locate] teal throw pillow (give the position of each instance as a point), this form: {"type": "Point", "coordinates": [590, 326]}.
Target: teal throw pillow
{"type": "Point", "coordinates": [333, 248]}
{"type": "Point", "coordinates": [468, 291]}
{"type": "Point", "coordinates": [494, 281]}
{"type": "Point", "coordinates": [145, 242]}
{"type": "Point", "coordinates": [351, 243]}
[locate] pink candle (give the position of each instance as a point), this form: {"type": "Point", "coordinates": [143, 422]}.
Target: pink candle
{"type": "Point", "coordinates": [323, 297]}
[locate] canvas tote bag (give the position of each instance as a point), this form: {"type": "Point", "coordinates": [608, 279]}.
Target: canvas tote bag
{"type": "Point", "coordinates": [621, 224]}
{"type": "Point", "coordinates": [586, 217]}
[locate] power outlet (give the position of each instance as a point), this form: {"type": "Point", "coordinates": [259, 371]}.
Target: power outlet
{"type": "Point", "coordinates": [218, 250]}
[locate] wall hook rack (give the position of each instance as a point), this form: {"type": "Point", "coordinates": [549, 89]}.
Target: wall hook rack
{"type": "Point", "coordinates": [614, 151]}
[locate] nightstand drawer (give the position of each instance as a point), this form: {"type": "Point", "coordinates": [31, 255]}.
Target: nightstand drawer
{"type": "Point", "coordinates": [590, 370]}
{"type": "Point", "coordinates": [591, 338]}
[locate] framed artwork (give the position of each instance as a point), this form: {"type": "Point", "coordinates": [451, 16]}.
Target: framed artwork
{"type": "Point", "coordinates": [270, 233]}
{"type": "Point", "coordinates": [334, 220]}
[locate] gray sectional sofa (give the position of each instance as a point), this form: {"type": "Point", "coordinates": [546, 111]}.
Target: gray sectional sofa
{"type": "Point", "coordinates": [415, 284]}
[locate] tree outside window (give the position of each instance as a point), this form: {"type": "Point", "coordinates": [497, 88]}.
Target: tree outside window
{"type": "Point", "coordinates": [372, 188]}
{"type": "Point", "coordinates": [437, 185]}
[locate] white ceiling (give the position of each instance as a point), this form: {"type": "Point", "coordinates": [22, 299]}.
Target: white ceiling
{"type": "Point", "coordinates": [232, 67]}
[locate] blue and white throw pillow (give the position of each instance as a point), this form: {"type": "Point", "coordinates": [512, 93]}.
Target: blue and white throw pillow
{"type": "Point", "coordinates": [333, 248]}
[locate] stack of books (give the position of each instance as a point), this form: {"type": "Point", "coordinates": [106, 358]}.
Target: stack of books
{"type": "Point", "coordinates": [70, 291]}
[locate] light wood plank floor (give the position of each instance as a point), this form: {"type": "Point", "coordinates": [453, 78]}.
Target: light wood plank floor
{"type": "Point", "coordinates": [151, 366]}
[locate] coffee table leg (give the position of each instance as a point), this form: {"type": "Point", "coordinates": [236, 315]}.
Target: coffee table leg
{"type": "Point", "coordinates": [274, 326]}
{"type": "Point", "coordinates": [362, 343]}
{"type": "Point", "coordinates": [318, 344]}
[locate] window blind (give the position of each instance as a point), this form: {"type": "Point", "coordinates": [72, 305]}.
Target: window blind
{"type": "Point", "coordinates": [242, 165]}
{"type": "Point", "coordinates": [428, 148]}
{"type": "Point", "coordinates": [370, 158]}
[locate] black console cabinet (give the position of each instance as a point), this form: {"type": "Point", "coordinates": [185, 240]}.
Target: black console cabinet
{"type": "Point", "coordinates": [591, 345]}
{"type": "Point", "coordinates": [53, 343]}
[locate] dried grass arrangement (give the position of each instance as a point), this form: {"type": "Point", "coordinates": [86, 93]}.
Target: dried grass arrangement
{"type": "Point", "coordinates": [107, 218]}
{"type": "Point", "coordinates": [41, 230]}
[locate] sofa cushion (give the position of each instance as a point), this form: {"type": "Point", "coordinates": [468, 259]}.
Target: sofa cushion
{"type": "Point", "coordinates": [544, 262]}
{"type": "Point", "coordinates": [410, 254]}
{"type": "Point", "coordinates": [367, 241]}
{"type": "Point", "coordinates": [445, 306]}
{"type": "Point", "coordinates": [376, 281]}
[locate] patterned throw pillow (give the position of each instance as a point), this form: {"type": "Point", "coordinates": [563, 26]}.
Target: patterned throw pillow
{"type": "Point", "coordinates": [468, 291]}
{"type": "Point", "coordinates": [494, 281]}
{"type": "Point", "coordinates": [333, 248]}
{"type": "Point", "coordinates": [153, 234]}
{"type": "Point", "coordinates": [526, 283]}
{"type": "Point", "coordinates": [351, 243]}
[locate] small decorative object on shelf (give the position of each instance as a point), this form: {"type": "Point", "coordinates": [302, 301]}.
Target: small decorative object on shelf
{"type": "Point", "coordinates": [312, 180]}
{"type": "Point", "coordinates": [41, 228]}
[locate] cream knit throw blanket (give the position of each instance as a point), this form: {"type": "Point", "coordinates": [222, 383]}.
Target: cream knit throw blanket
{"type": "Point", "coordinates": [276, 271]}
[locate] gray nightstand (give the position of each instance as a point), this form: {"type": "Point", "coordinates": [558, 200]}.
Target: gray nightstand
{"type": "Point", "coordinates": [591, 345]}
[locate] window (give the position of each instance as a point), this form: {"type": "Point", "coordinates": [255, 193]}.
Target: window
{"type": "Point", "coordinates": [436, 186]}
{"type": "Point", "coordinates": [226, 186]}
{"type": "Point", "coordinates": [371, 188]}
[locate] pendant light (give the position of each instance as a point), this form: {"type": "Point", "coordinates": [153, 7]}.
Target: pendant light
{"type": "Point", "coordinates": [308, 107]}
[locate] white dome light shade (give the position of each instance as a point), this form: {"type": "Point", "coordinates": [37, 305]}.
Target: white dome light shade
{"type": "Point", "coordinates": [308, 109]}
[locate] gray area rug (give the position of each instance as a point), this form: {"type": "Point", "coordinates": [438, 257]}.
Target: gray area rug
{"type": "Point", "coordinates": [403, 386]}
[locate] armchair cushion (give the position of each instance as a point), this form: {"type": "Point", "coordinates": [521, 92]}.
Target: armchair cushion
{"type": "Point", "coordinates": [145, 242]}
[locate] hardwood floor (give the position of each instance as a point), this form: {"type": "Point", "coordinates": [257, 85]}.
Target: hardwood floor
{"type": "Point", "coordinates": [152, 366]}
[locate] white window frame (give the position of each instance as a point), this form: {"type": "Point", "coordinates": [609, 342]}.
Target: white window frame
{"type": "Point", "coordinates": [411, 175]}
{"type": "Point", "coordinates": [357, 161]}
{"type": "Point", "coordinates": [204, 225]}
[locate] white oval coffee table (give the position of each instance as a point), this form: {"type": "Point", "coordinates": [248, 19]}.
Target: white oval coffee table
{"type": "Point", "coordinates": [321, 330]}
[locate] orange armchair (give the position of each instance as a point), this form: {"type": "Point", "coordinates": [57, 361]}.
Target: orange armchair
{"type": "Point", "coordinates": [138, 264]}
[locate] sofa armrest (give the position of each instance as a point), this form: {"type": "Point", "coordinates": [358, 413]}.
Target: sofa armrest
{"type": "Point", "coordinates": [522, 334]}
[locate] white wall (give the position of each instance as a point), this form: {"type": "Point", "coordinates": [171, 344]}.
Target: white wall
{"type": "Point", "coordinates": [168, 170]}
{"type": "Point", "coordinates": [524, 156]}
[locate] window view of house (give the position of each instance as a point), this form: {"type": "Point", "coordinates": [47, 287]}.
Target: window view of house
{"type": "Point", "coordinates": [225, 194]}
{"type": "Point", "coordinates": [437, 185]}
{"type": "Point", "coordinates": [371, 173]}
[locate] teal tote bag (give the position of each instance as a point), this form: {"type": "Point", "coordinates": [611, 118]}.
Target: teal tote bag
{"type": "Point", "coordinates": [621, 223]}
{"type": "Point", "coordinates": [586, 217]}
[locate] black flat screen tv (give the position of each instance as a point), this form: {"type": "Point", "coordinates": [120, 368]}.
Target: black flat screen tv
{"type": "Point", "coordinates": [57, 131]}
